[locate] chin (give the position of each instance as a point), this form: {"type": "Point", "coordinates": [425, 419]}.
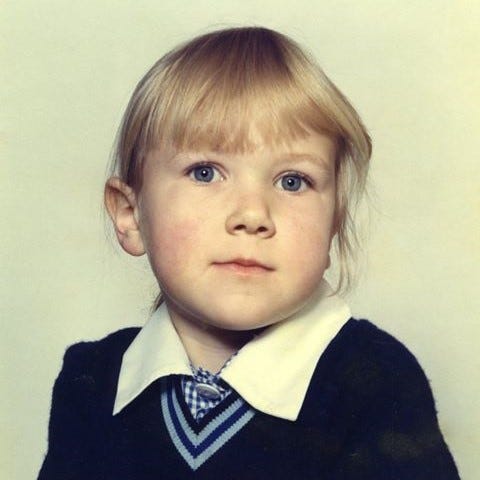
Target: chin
{"type": "Point", "coordinates": [245, 320]}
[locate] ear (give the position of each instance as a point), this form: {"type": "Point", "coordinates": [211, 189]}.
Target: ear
{"type": "Point", "coordinates": [122, 206]}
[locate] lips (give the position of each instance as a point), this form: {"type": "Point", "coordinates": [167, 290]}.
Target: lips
{"type": "Point", "coordinates": [244, 265]}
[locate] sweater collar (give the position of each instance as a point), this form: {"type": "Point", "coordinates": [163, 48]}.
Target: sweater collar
{"type": "Point", "coordinates": [271, 372]}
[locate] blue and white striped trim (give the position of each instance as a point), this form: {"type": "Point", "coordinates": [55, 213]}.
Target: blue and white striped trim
{"type": "Point", "coordinates": [196, 448]}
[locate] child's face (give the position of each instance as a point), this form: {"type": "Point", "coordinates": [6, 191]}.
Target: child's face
{"type": "Point", "coordinates": [239, 241]}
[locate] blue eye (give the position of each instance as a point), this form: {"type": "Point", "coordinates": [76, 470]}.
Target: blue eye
{"type": "Point", "coordinates": [293, 182]}
{"type": "Point", "coordinates": [204, 174]}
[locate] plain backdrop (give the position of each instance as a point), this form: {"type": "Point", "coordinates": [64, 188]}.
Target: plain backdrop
{"type": "Point", "coordinates": [67, 69]}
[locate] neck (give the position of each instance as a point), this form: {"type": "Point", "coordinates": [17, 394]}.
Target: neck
{"type": "Point", "coordinates": [207, 346]}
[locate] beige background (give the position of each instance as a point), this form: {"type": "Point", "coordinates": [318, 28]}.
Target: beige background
{"type": "Point", "coordinates": [67, 69]}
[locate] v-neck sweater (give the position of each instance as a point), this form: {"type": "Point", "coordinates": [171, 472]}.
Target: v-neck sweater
{"type": "Point", "coordinates": [368, 414]}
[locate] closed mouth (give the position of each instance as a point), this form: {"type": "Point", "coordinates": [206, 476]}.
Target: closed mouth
{"type": "Point", "coordinates": [244, 265]}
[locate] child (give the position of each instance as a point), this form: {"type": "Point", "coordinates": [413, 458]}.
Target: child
{"type": "Point", "coordinates": [237, 165]}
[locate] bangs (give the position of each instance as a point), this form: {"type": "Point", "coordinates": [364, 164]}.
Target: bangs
{"type": "Point", "coordinates": [228, 92]}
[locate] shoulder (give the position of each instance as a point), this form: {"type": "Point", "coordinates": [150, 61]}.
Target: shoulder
{"type": "Point", "coordinates": [90, 352]}
{"type": "Point", "coordinates": [364, 343]}
{"type": "Point", "coordinates": [366, 362]}
{"type": "Point", "coordinates": [91, 368]}
{"type": "Point", "coordinates": [374, 397]}
{"type": "Point", "coordinates": [384, 355]}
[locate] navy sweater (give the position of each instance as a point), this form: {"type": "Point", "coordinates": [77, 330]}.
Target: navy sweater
{"type": "Point", "coordinates": [368, 414]}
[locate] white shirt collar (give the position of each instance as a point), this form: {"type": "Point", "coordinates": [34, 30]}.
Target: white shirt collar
{"type": "Point", "coordinates": [271, 372]}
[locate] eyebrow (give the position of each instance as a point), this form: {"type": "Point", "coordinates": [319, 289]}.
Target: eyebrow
{"type": "Point", "coordinates": [183, 156]}
{"type": "Point", "coordinates": [318, 160]}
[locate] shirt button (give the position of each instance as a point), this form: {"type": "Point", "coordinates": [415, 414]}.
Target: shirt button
{"type": "Point", "coordinates": [207, 391]}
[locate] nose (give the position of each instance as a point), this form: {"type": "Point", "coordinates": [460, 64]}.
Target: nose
{"type": "Point", "coordinates": [251, 215]}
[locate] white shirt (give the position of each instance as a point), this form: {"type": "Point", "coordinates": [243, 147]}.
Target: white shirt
{"type": "Point", "coordinates": [271, 372]}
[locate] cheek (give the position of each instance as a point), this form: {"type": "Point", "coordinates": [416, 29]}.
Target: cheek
{"type": "Point", "coordinates": [311, 227]}
{"type": "Point", "coordinates": [309, 237]}
{"type": "Point", "coordinates": [170, 243]}
{"type": "Point", "coordinates": [313, 251]}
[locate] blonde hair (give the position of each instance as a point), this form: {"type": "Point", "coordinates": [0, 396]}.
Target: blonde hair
{"type": "Point", "coordinates": [214, 90]}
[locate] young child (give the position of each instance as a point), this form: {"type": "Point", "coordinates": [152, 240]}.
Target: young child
{"type": "Point", "coordinates": [237, 166]}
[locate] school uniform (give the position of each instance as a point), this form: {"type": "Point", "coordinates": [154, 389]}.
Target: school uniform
{"type": "Point", "coordinates": [317, 396]}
